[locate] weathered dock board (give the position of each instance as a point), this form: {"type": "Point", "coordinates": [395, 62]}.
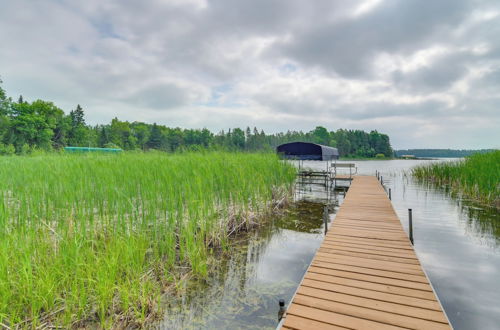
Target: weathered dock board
{"type": "Point", "coordinates": [366, 274]}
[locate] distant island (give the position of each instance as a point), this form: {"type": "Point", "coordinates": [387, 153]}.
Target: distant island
{"type": "Point", "coordinates": [444, 153]}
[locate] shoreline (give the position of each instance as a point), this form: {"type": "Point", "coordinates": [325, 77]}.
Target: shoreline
{"type": "Point", "coordinates": [476, 178]}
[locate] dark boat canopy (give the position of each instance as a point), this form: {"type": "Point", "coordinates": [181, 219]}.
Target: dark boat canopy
{"type": "Point", "coordinates": [307, 151]}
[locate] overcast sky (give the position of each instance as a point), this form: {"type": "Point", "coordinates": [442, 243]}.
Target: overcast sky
{"type": "Point", "coordinates": [425, 72]}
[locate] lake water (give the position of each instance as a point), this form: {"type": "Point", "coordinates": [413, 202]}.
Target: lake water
{"type": "Point", "coordinates": [457, 242]}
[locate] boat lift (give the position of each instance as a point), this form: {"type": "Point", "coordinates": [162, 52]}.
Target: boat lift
{"type": "Point", "coordinates": [334, 174]}
{"type": "Point", "coordinates": [329, 178]}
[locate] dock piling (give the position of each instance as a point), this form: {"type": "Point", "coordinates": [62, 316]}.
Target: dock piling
{"type": "Point", "coordinates": [325, 218]}
{"type": "Point", "coordinates": [390, 195]}
{"type": "Point", "coordinates": [410, 225]}
{"type": "Point", "coordinates": [282, 309]}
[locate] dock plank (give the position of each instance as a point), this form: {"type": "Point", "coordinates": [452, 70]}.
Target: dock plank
{"type": "Point", "coordinates": [371, 278]}
{"type": "Point", "coordinates": [417, 312]}
{"type": "Point", "coordinates": [366, 274]}
{"type": "Point", "coordinates": [337, 319]}
{"type": "Point", "coordinates": [370, 271]}
{"type": "Point", "coordinates": [369, 313]}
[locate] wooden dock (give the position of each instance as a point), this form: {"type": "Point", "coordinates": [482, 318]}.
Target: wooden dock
{"type": "Point", "coordinates": [365, 275]}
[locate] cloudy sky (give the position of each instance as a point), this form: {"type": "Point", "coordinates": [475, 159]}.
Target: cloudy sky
{"type": "Point", "coordinates": [425, 72]}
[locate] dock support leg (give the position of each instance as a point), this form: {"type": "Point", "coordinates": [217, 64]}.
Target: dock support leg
{"type": "Point", "coordinates": [282, 309]}
{"type": "Point", "coordinates": [410, 225]}
{"type": "Point", "coordinates": [325, 218]}
{"type": "Point", "coordinates": [390, 195]}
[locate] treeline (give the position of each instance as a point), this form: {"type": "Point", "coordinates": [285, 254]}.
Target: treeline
{"type": "Point", "coordinates": [26, 126]}
{"type": "Point", "coordinates": [444, 153]}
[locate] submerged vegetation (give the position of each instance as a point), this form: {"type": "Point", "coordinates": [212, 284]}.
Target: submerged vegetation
{"type": "Point", "coordinates": [477, 177]}
{"type": "Point", "coordinates": [96, 239]}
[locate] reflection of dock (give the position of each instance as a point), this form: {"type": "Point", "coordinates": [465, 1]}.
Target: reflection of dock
{"type": "Point", "coordinates": [366, 274]}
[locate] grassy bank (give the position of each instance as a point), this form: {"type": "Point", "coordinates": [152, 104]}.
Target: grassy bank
{"type": "Point", "coordinates": [96, 239]}
{"type": "Point", "coordinates": [477, 177]}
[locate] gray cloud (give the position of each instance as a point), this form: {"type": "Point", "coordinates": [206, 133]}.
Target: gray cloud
{"type": "Point", "coordinates": [161, 96]}
{"type": "Point", "coordinates": [438, 76]}
{"type": "Point", "coordinates": [424, 67]}
{"type": "Point", "coordinates": [348, 46]}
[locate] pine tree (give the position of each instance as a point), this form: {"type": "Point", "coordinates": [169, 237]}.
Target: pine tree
{"type": "Point", "coordinates": [77, 117]}
{"type": "Point", "coordinates": [103, 137]}
{"type": "Point", "coordinates": [78, 132]}
{"type": "Point", "coordinates": [154, 141]}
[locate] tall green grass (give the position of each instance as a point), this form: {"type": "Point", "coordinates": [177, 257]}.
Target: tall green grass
{"type": "Point", "coordinates": [477, 177]}
{"type": "Point", "coordinates": [97, 238]}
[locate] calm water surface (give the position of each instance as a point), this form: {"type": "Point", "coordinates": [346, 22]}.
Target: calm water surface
{"type": "Point", "coordinates": [458, 244]}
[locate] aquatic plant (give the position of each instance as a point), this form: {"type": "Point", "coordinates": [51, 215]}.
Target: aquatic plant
{"type": "Point", "coordinates": [96, 239]}
{"type": "Point", "coordinates": [476, 177]}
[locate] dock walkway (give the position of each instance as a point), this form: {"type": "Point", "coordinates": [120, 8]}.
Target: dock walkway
{"type": "Point", "coordinates": [366, 274]}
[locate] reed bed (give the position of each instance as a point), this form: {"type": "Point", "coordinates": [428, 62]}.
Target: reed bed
{"type": "Point", "coordinates": [96, 239]}
{"type": "Point", "coordinates": [476, 177]}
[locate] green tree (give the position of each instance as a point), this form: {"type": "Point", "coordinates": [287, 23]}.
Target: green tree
{"type": "Point", "coordinates": [321, 135]}
{"type": "Point", "coordinates": [5, 104]}
{"type": "Point", "coordinates": [103, 137]}
{"type": "Point", "coordinates": [206, 137]}
{"type": "Point", "coordinates": [343, 143]}
{"type": "Point", "coordinates": [155, 137]}
{"type": "Point", "coordinates": [33, 124]}
{"type": "Point", "coordinates": [173, 140]}
{"type": "Point", "coordinates": [61, 131]}
{"type": "Point", "coordinates": [141, 132]}
{"type": "Point", "coordinates": [238, 139]}
{"type": "Point", "coordinates": [7, 150]}
{"type": "Point", "coordinates": [121, 134]}
{"type": "Point", "coordinates": [78, 132]}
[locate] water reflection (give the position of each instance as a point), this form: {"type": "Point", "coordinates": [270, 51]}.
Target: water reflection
{"type": "Point", "coordinates": [480, 222]}
{"type": "Point", "coordinates": [266, 265]}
